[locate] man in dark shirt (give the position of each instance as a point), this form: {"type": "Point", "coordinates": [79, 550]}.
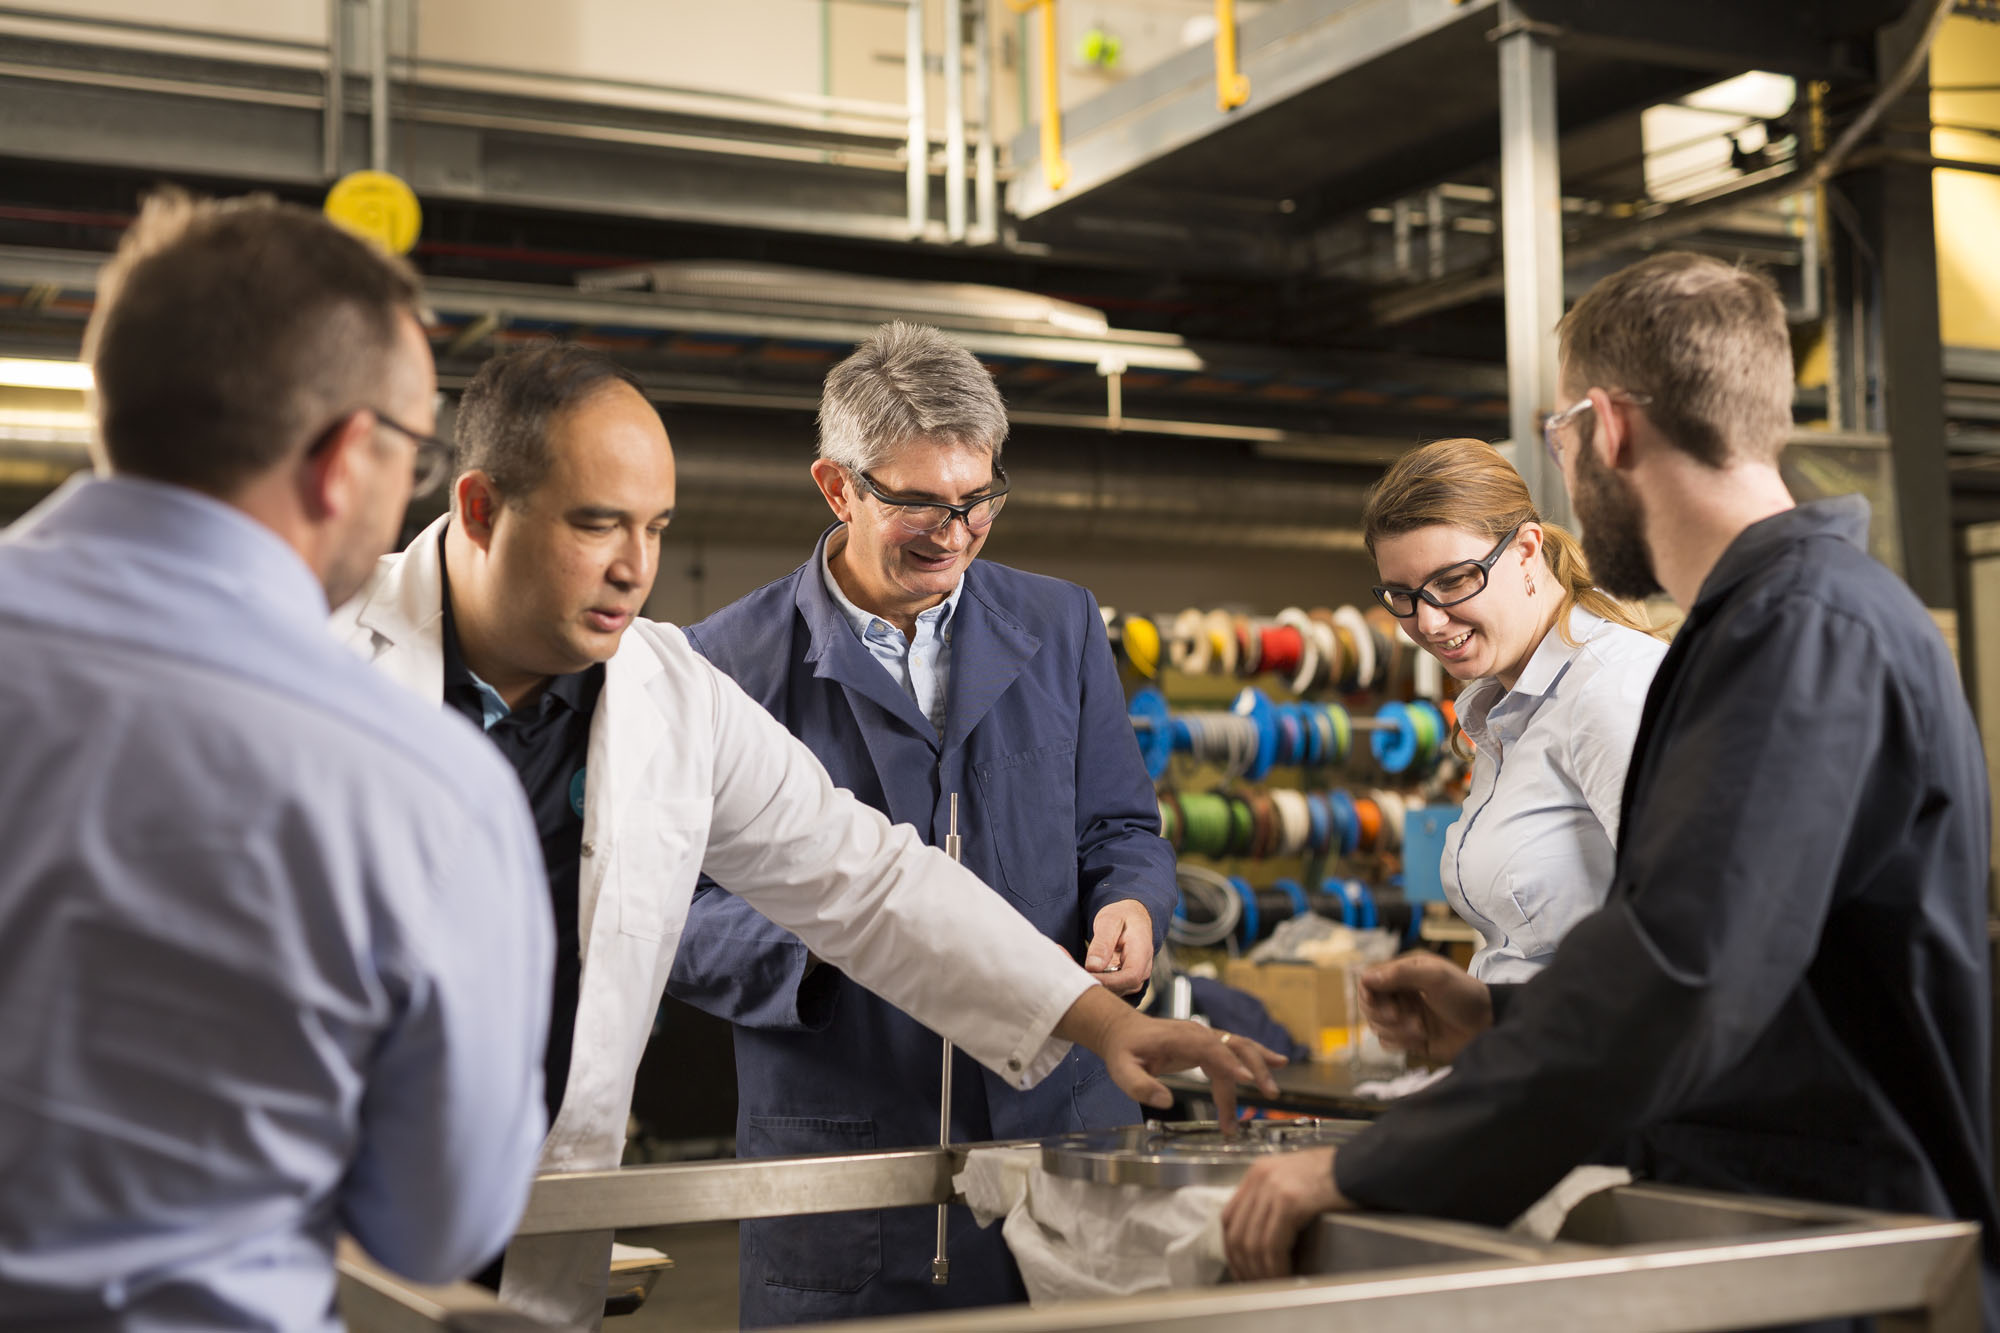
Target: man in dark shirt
{"type": "Point", "coordinates": [1787, 990]}
{"type": "Point", "coordinates": [546, 739]}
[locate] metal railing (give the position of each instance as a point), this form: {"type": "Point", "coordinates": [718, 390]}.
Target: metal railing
{"type": "Point", "coordinates": [797, 126]}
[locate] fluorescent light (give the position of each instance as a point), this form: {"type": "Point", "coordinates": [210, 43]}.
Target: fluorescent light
{"type": "Point", "coordinates": [27, 373]}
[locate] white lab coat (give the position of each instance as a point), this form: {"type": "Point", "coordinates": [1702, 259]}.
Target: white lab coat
{"type": "Point", "coordinates": [687, 773]}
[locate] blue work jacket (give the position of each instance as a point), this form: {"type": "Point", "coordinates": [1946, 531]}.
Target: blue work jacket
{"type": "Point", "coordinates": [1055, 813]}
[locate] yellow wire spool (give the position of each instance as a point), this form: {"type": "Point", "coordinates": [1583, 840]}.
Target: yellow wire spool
{"type": "Point", "coordinates": [1142, 645]}
{"type": "Point", "coordinates": [378, 207]}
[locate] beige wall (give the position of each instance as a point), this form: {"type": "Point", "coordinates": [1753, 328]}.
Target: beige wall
{"type": "Point", "coordinates": [1968, 203]}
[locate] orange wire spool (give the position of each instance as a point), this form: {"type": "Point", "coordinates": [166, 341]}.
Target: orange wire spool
{"type": "Point", "coordinates": [1370, 815]}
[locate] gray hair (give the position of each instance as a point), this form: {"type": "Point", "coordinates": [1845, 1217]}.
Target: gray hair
{"type": "Point", "coordinates": [908, 384]}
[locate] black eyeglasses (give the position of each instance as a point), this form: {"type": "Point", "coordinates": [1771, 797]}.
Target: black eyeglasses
{"type": "Point", "coordinates": [428, 469]}
{"type": "Point", "coordinates": [433, 461]}
{"type": "Point", "coordinates": [921, 516]}
{"type": "Point", "coordinates": [1448, 587]}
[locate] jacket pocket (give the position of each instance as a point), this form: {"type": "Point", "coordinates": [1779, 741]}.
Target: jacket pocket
{"type": "Point", "coordinates": [658, 856]}
{"type": "Point", "coordinates": [822, 1252]}
{"type": "Point", "coordinates": [1099, 1102]}
{"type": "Point", "coordinates": [1029, 800]}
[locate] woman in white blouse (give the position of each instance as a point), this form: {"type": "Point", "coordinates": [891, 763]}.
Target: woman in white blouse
{"type": "Point", "coordinates": [1558, 674]}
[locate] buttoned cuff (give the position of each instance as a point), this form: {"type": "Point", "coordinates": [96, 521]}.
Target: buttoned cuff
{"type": "Point", "coordinates": [1039, 1052]}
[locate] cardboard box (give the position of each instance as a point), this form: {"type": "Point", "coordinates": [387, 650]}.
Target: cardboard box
{"type": "Point", "coordinates": [1313, 1002]}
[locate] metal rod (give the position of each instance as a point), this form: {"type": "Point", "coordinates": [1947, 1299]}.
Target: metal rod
{"type": "Point", "coordinates": [941, 1261]}
{"type": "Point", "coordinates": [378, 85]}
{"type": "Point", "coordinates": [1055, 171]}
{"type": "Point", "coordinates": [1437, 236]}
{"type": "Point", "coordinates": [1532, 250]}
{"type": "Point", "coordinates": [914, 76]}
{"type": "Point", "coordinates": [331, 124]}
{"type": "Point", "coordinates": [985, 173]}
{"type": "Point", "coordinates": [954, 119]}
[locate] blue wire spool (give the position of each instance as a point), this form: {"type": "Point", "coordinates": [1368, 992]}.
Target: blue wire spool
{"type": "Point", "coordinates": [1346, 820]}
{"type": "Point", "coordinates": [1290, 888]}
{"type": "Point", "coordinates": [1253, 704]}
{"type": "Point", "coordinates": [1320, 816]}
{"type": "Point", "coordinates": [1152, 724]}
{"type": "Point", "coordinates": [1250, 924]}
{"type": "Point", "coordinates": [1395, 740]}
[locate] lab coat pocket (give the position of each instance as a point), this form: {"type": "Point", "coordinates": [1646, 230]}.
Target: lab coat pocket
{"type": "Point", "coordinates": [821, 1252]}
{"type": "Point", "coordinates": [658, 857]}
{"type": "Point", "coordinates": [1029, 801]}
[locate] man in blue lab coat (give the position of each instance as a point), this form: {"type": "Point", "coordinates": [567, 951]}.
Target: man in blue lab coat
{"type": "Point", "coordinates": [916, 673]}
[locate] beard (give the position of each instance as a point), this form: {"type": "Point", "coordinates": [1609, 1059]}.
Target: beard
{"type": "Point", "coordinates": [1614, 529]}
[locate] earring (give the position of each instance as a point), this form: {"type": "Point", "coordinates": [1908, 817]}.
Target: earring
{"type": "Point", "coordinates": [1531, 587]}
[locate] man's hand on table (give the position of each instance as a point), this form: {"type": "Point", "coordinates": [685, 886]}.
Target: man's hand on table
{"type": "Point", "coordinates": [1120, 955]}
{"type": "Point", "coordinates": [1135, 1048]}
{"type": "Point", "coordinates": [1280, 1195]}
{"type": "Point", "coordinates": [1425, 1006]}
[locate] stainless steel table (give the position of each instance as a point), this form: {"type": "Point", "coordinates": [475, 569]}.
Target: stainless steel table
{"type": "Point", "coordinates": [1641, 1259]}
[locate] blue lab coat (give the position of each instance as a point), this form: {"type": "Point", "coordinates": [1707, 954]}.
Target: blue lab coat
{"type": "Point", "coordinates": [1056, 813]}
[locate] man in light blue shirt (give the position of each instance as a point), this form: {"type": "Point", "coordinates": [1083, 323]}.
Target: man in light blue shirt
{"type": "Point", "coordinates": [265, 918]}
{"type": "Point", "coordinates": [920, 663]}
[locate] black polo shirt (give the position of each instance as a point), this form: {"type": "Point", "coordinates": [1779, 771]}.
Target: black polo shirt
{"type": "Point", "coordinates": [547, 742]}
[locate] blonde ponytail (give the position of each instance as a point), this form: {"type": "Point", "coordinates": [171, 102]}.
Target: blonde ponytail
{"type": "Point", "coordinates": [1564, 556]}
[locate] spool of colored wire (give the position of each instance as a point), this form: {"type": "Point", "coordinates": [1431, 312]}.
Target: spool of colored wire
{"type": "Point", "coordinates": [1321, 823]}
{"type": "Point", "coordinates": [1307, 671]}
{"type": "Point", "coordinates": [1221, 628]}
{"type": "Point", "coordinates": [1152, 723]}
{"type": "Point", "coordinates": [1282, 650]}
{"type": "Point", "coordinates": [1370, 816]}
{"type": "Point", "coordinates": [1395, 740]}
{"type": "Point", "coordinates": [1139, 641]}
{"type": "Point", "coordinates": [1188, 648]}
{"type": "Point", "coordinates": [1251, 928]}
{"type": "Point", "coordinates": [1252, 704]}
{"type": "Point", "coordinates": [1209, 910]}
{"type": "Point", "coordinates": [1169, 824]}
{"type": "Point", "coordinates": [1294, 822]}
{"type": "Point", "coordinates": [1206, 823]}
{"type": "Point", "coordinates": [1363, 643]}
{"type": "Point", "coordinates": [1346, 822]}
{"type": "Point", "coordinates": [1242, 826]}
{"type": "Point", "coordinates": [1290, 888]}
{"type": "Point", "coordinates": [1393, 810]}
{"type": "Point", "coordinates": [1223, 739]}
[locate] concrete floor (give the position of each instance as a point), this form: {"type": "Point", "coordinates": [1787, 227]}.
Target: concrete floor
{"type": "Point", "coordinates": [698, 1294]}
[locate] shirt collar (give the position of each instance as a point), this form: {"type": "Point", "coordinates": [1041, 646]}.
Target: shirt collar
{"type": "Point", "coordinates": [197, 533]}
{"type": "Point", "coordinates": [1545, 667]}
{"type": "Point", "coordinates": [1553, 653]}
{"type": "Point", "coordinates": [939, 616]}
{"type": "Point", "coordinates": [1841, 517]}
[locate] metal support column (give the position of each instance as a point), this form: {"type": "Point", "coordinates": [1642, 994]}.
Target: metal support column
{"type": "Point", "coordinates": [914, 77]}
{"type": "Point", "coordinates": [332, 122]}
{"type": "Point", "coordinates": [954, 120]}
{"type": "Point", "coordinates": [985, 174]}
{"type": "Point", "coordinates": [378, 85]}
{"type": "Point", "coordinates": [1893, 206]}
{"type": "Point", "coordinates": [1531, 247]}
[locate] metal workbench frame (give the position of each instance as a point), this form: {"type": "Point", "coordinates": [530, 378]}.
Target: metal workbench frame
{"type": "Point", "coordinates": [1736, 1262]}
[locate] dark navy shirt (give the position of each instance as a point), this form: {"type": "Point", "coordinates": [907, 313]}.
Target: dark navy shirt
{"type": "Point", "coordinates": [547, 742]}
{"type": "Point", "coordinates": [1787, 991]}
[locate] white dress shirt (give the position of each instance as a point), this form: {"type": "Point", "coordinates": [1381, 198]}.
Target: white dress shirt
{"type": "Point", "coordinates": [1532, 854]}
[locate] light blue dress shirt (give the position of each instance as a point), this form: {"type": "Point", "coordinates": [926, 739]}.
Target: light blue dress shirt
{"type": "Point", "coordinates": [1532, 854]}
{"type": "Point", "coordinates": [273, 938]}
{"type": "Point", "coordinates": [921, 664]}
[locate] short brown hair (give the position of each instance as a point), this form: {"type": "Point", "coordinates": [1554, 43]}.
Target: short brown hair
{"type": "Point", "coordinates": [228, 333]}
{"type": "Point", "coordinates": [1466, 484]}
{"type": "Point", "coordinates": [502, 426]}
{"type": "Point", "coordinates": [1704, 340]}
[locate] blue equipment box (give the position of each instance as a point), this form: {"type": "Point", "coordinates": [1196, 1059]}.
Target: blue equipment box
{"type": "Point", "coordinates": [1423, 850]}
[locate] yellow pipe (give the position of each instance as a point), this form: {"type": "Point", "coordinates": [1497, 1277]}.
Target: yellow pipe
{"type": "Point", "coordinates": [1055, 171]}
{"type": "Point", "coordinates": [1232, 88]}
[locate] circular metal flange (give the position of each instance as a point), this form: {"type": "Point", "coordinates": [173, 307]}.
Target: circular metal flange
{"type": "Point", "coordinates": [1166, 1155]}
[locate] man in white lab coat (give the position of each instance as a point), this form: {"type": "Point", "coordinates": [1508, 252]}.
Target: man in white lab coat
{"type": "Point", "coordinates": [645, 766]}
